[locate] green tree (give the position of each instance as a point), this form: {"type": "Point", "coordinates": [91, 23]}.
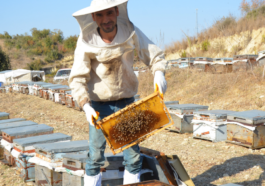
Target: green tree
{"type": "Point", "coordinates": [205, 45]}
{"type": "Point", "coordinates": [35, 65]}
{"type": "Point", "coordinates": [70, 43]}
{"type": "Point", "coordinates": [48, 42]}
{"type": "Point", "coordinates": [4, 61]}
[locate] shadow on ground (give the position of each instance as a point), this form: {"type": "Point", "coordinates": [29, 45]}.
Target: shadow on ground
{"type": "Point", "coordinates": [231, 167]}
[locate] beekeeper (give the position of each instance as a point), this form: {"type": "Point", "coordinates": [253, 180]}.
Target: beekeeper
{"type": "Point", "coordinates": [102, 78]}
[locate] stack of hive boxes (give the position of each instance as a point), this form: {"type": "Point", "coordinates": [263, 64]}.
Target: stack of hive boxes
{"type": "Point", "coordinates": [182, 116]}
{"type": "Point", "coordinates": [211, 125]}
{"type": "Point", "coordinates": [246, 128]}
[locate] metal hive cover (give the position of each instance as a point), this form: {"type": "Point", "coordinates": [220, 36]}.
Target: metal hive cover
{"type": "Point", "coordinates": [79, 157]}
{"type": "Point", "coordinates": [63, 147]}
{"type": "Point", "coordinates": [48, 138]}
{"type": "Point", "coordinates": [59, 87]}
{"type": "Point", "coordinates": [215, 113]}
{"type": "Point", "coordinates": [22, 82]}
{"type": "Point", "coordinates": [40, 83]}
{"type": "Point", "coordinates": [3, 114]}
{"type": "Point", "coordinates": [31, 83]}
{"type": "Point", "coordinates": [83, 157]}
{"type": "Point", "coordinates": [48, 86]}
{"type": "Point", "coordinates": [28, 130]}
{"type": "Point", "coordinates": [169, 103]}
{"type": "Point", "coordinates": [203, 58]}
{"type": "Point", "coordinates": [11, 120]}
{"type": "Point", "coordinates": [249, 117]}
{"type": "Point", "coordinates": [188, 107]}
{"type": "Point", "coordinates": [16, 125]}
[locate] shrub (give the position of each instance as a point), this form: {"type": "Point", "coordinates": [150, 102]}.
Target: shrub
{"type": "Point", "coordinates": [18, 46]}
{"type": "Point", "coordinates": [236, 49]}
{"type": "Point", "coordinates": [263, 38]}
{"type": "Point", "coordinates": [39, 34]}
{"type": "Point", "coordinates": [53, 55]}
{"type": "Point", "coordinates": [225, 22]}
{"type": "Point", "coordinates": [5, 36]}
{"type": "Point", "coordinates": [4, 61]}
{"type": "Point", "coordinates": [70, 43]}
{"type": "Point", "coordinates": [183, 54]}
{"type": "Point", "coordinates": [205, 45]}
{"type": "Point", "coordinates": [57, 36]}
{"type": "Point", "coordinates": [15, 55]}
{"type": "Point", "coordinates": [35, 65]}
{"type": "Point", "coordinates": [48, 42]}
{"type": "Point", "coordinates": [9, 43]}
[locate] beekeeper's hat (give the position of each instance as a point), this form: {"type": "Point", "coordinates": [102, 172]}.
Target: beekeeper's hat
{"type": "Point", "coordinates": [98, 5]}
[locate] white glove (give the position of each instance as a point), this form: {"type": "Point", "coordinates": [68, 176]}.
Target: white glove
{"type": "Point", "coordinates": [160, 80]}
{"type": "Point", "coordinates": [90, 113]}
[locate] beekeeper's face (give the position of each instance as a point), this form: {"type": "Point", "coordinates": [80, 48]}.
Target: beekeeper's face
{"type": "Point", "coordinates": [106, 19]}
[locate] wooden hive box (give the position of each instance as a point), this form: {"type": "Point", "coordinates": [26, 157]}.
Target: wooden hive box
{"type": "Point", "coordinates": [24, 146]}
{"type": "Point", "coordinates": [57, 89]}
{"type": "Point", "coordinates": [182, 116]}
{"type": "Point", "coordinates": [62, 96]}
{"type": "Point", "coordinates": [4, 115]}
{"type": "Point", "coordinates": [246, 128]}
{"type": "Point", "coordinates": [69, 100]}
{"type": "Point", "coordinates": [210, 125]}
{"type": "Point", "coordinates": [53, 153]}
{"type": "Point", "coordinates": [22, 132]}
{"type": "Point", "coordinates": [113, 165]}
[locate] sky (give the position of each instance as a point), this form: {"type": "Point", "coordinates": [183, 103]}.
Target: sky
{"type": "Point", "coordinates": [162, 21]}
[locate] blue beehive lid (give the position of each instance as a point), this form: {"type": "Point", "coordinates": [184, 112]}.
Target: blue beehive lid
{"type": "Point", "coordinates": [222, 59]}
{"type": "Point", "coordinates": [41, 83]}
{"type": "Point", "coordinates": [48, 86]}
{"type": "Point", "coordinates": [171, 103]}
{"type": "Point", "coordinates": [214, 114]}
{"type": "Point", "coordinates": [3, 114]}
{"type": "Point", "coordinates": [189, 106]}
{"type": "Point", "coordinates": [20, 131]}
{"type": "Point", "coordinates": [63, 147]}
{"type": "Point", "coordinates": [59, 87]}
{"type": "Point", "coordinates": [251, 117]}
{"type": "Point", "coordinates": [16, 125]}
{"type": "Point", "coordinates": [204, 59]}
{"type": "Point", "coordinates": [47, 138]}
{"type": "Point", "coordinates": [11, 120]}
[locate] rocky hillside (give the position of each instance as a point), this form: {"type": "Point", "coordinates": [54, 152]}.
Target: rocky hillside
{"type": "Point", "coordinates": [248, 42]}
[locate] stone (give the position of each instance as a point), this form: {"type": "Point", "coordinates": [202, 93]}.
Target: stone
{"type": "Point", "coordinates": [262, 150]}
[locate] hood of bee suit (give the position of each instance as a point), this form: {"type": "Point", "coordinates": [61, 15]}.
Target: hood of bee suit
{"type": "Point", "coordinates": [85, 20]}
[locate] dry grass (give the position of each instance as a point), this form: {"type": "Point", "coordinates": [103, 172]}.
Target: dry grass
{"type": "Point", "coordinates": [233, 91]}
{"type": "Point", "coordinates": [222, 28]}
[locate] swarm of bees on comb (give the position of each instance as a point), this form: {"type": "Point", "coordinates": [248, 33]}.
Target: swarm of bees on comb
{"type": "Point", "coordinates": [133, 124]}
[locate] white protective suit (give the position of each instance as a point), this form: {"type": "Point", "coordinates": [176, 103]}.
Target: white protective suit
{"type": "Point", "coordinates": [106, 73]}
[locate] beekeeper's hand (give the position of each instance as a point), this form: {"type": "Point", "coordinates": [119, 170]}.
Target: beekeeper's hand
{"type": "Point", "coordinates": [90, 114]}
{"type": "Point", "coordinates": [160, 81]}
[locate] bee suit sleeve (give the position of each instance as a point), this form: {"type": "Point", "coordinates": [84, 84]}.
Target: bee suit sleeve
{"type": "Point", "coordinates": [149, 53]}
{"type": "Point", "coordinates": [80, 74]}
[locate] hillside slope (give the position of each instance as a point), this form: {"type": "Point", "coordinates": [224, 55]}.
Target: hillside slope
{"type": "Point", "coordinates": [248, 42]}
{"type": "Point", "coordinates": [234, 91]}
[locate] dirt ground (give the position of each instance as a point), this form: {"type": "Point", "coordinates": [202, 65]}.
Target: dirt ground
{"type": "Point", "coordinates": [207, 163]}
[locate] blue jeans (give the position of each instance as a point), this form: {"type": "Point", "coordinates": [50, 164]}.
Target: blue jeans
{"type": "Point", "coordinates": [97, 142]}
